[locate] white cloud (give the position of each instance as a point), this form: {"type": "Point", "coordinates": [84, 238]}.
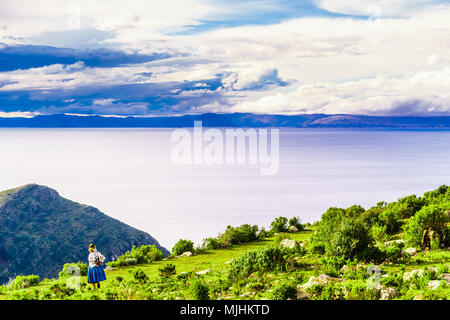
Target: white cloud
{"type": "Point", "coordinates": [376, 8]}
{"type": "Point", "coordinates": [418, 93]}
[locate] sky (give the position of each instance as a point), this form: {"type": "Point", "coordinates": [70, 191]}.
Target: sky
{"type": "Point", "coordinates": [174, 57]}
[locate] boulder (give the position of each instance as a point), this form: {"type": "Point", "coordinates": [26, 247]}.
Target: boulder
{"type": "Point", "coordinates": [446, 277]}
{"type": "Point", "coordinates": [185, 254]}
{"type": "Point", "coordinates": [388, 243]}
{"type": "Point", "coordinates": [293, 229]}
{"type": "Point", "coordinates": [288, 243]}
{"type": "Point", "coordinates": [408, 275]}
{"type": "Point", "coordinates": [388, 293]}
{"type": "Point", "coordinates": [434, 284]}
{"type": "Point", "coordinates": [322, 279]}
{"type": "Point", "coordinates": [203, 272]}
{"type": "Point", "coordinates": [411, 251]}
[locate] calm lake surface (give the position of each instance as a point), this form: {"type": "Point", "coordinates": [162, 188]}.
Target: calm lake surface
{"type": "Point", "coordinates": [128, 174]}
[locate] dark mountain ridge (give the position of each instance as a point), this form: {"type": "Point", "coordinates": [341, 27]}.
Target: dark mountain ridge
{"type": "Point", "coordinates": [231, 120]}
{"type": "Point", "coordinates": [40, 231]}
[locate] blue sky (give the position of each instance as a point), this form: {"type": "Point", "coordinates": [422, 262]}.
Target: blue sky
{"type": "Point", "coordinates": [176, 57]}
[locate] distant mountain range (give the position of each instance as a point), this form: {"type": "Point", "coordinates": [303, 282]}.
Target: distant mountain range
{"type": "Point", "coordinates": [40, 231]}
{"type": "Point", "coordinates": [230, 120]}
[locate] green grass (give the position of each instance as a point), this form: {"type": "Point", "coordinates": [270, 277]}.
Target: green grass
{"type": "Point", "coordinates": [256, 287]}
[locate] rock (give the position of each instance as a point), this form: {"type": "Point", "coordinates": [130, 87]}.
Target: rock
{"type": "Point", "coordinates": [108, 268]}
{"type": "Point", "coordinates": [203, 272]}
{"type": "Point", "coordinates": [418, 297]}
{"type": "Point", "coordinates": [388, 293]}
{"type": "Point", "coordinates": [388, 243]}
{"type": "Point", "coordinates": [408, 275]}
{"type": "Point", "coordinates": [228, 262]}
{"type": "Point", "coordinates": [293, 229]}
{"type": "Point", "coordinates": [446, 277]}
{"type": "Point", "coordinates": [288, 243]}
{"type": "Point", "coordinates": [322, 279]}
{"type": "Point", "coordinates": [411, 251]}
{"type": "Point", "coordinates": [185, 254]}
{"type": "Point", "coordinates": [434, 284]}
{"type": "Point", "coordinates": [302, 294]}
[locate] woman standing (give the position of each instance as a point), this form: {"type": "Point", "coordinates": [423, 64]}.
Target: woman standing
{"type": "Point", "coordinates": [95, 271]}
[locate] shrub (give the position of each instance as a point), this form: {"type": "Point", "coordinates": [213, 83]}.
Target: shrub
{"type": "Point", "coordinates": [74, 269]}
{"type": "Point", "coordinates": [350, 240]}
{"type": "Point", "coordinates": [270, 258]}
{"type": "Point", "coordinates": [140, 276]}
{"type": "Point", "coordinates": [331, 220]}
{"type": "Point", "coordinates": [241, 234]}
{"type": "Point", "coordinates": [59, 291]}
{"type": "Point", "coordinates": [295, 222]}
{"type": "Point", "coordinates": [182, 246]}
{"type": "Point", "coordinates": [379, 233]}
{"type": "Point", "coordinates": [318, 248]}
{"type": "Point", "coordinates": [392, 280]}
{"type": "Point", "coordinates": [280, 237]}
{"type": "Point", "coordinates": [284, 291]}
{"type": "Point", "coordinates": [21, 282]}
{"type": "Point", "coordinates": [360, 291]}
{"type": "Point", "coordinates": [199, 290]}
{"type": "Point", "coordinates": [138, 255]}
{"type": "Point", "coordinates": [394, 252]}
{"type": "Point", "coordinates": [26, 295]}
{"type": "Point", "coordinates": [168, 270]}
{"type": "Point", "coordinates": [280, 224]}
{"type": "Point", "coordinates": [429, 218]}
{"type": "Point", "coordinates": [211, 244]}
{"type": "Point", "coordinates": [391, 219]}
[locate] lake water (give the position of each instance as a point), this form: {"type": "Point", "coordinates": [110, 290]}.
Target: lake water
{"type": "Point", "coordinates": [128, 174]}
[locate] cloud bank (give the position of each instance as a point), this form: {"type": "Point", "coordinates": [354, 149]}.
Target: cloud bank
{"type": "Point", "coordinates": [281, 57]}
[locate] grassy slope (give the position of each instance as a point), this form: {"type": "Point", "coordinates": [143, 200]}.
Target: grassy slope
{"type": "Point", "coordinates": [215, 260]}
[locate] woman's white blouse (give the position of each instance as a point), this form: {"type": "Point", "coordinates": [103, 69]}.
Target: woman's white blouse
{"type": "Point", "coordinates": [93, 258]}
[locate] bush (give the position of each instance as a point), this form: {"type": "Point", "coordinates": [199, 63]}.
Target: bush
{"type": "Point", "coordinates": [391, 219]}
{"type": "Point", "coordinates": [394, 252]}
{"type": "Point", "coordinates": [140, 276]}
{"type": "Point", "coordinates": [318, 248]}
{"type": "Point", "coordinates": [379, 233]}
{"type": "Point", "coordinates": [182, 246]}
{"type": "Point", "coordinates": [350, 240]}
{"type": "Point", "coordinates": [295, 222]}
{"type": "Point", "coordinates": [168, 270]}
{"type": "Point", "coordinates": [199, 290]}
{"type": "Point", "coordinates": [284, 291]}
{"type": "Point", "coordinates": [138, 255]}
{"type": "Point", "coordinates": [26, 295]}
{"type": "Point", "coordinates": [74, 269]}
{"type": "Point", "coordinates": [21, 282]}
{"type": "Point", "coordinates": [241, 234]}
{"type": "Point", "coordinates": [211, 244]}
{"type": "Point", "coordinates": [430, 218]}
{"type": "Point", "coordinates": [270, 258]}
{"type": "Point", "coordinates": [280, 224]}
{"type": "Point", "coordinates": [280, 237]}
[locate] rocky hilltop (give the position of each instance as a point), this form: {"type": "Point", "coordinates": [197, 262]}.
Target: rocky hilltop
{"type": "Point", "coordinates": [40, 231]}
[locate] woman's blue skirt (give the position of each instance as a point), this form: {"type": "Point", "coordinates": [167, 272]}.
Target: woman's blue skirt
{"type": "Point", "coordinates": [96, 274]}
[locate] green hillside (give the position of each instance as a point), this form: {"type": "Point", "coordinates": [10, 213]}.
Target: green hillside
{"type": "Point", "coordinates": [396, 250]}
{"type": "Point", "coordinates": [40, 231]}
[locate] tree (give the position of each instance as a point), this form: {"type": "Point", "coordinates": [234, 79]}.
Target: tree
{"type": "Point", "coordinates": [182, 246]}
{"type": "Point", "coordinates": [350, 240]}
{"type": "Point", "coordinates": [280, 224]}
{"type": "Point", "coordinates": [432, 218]}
